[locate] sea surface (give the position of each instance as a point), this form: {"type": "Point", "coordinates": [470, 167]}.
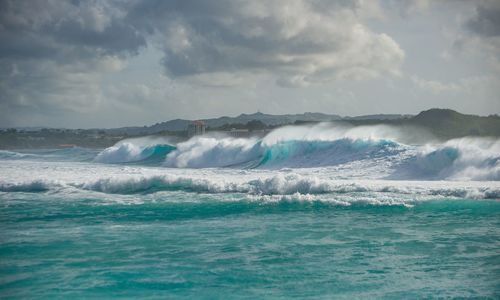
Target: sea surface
{"type": "Point", "coordinates": [305, 212]}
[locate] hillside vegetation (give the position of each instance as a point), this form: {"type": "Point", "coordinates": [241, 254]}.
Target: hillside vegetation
{"type": "Point", "coordinates": [440, 123]}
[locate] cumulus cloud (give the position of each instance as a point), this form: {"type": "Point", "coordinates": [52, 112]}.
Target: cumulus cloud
{"type": "Point", "coordinates": [54, 54]}
{"type": "Point", "coordinates": [300, 42]}
{"type": "Point", "coordinates": [486, 20]}
{"type": "Point", "coordinates": [65, 31]}
{"type": "Point", "coordinates": [482, 32]}
{"type": "Point", "coordinates": [68, 58]}
{"type": "Point", "coordinates": [312, 41]}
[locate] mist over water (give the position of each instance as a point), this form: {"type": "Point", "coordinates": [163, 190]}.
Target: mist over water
{"type": "Point", "coordinates": [305, 211]}
{"type": "Point", "coordinates": [325, 145]}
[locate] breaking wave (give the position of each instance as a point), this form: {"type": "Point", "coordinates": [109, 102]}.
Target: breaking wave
{"type": "Point", "coordinates": [281, 184]}
{"type": "Point", "coordinates": [149, 150]}
{"type": "Point", "coordinates": [458, 159]}
{"type": "Point", "coordinates": [277, 185]}
{"type": "Point", "coordinates": [127, 152]}
{"type": "Point", "coordinates": [306, 154]}
{"type": "Point", "coordinates": [205, 152]}
{"type": "Point", "coordinates": [288, 147]}
{"type": "Point", "coordinates": [320, 146]}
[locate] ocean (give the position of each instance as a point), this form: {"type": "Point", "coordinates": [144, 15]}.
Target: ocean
{"type": "Point", "coordinates": [304, 212]}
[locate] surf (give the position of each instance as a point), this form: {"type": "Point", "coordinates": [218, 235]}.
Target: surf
{"type": "Point", "coordinates": [145, 150]}
{"type": "Point", "coordinates": [323, 146]}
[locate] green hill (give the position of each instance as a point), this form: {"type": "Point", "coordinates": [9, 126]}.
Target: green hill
{"type": "Point", "coordinates": [447, 123]}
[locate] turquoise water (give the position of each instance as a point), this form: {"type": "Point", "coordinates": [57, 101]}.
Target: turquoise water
{"type": "Point", "coordinates": [211, 246]}
{"type": "Point", "coordinates": [298, 214]}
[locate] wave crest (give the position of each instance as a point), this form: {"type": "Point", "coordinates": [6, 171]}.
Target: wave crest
{"type": "Point", "coordinates": [205, 152]}
{"type": "Point", "coordinates": [280, 184]}
{"type": "Point", "coordinates": [458, 159]}
{"type": "Point", "coordinates": [129, 152]}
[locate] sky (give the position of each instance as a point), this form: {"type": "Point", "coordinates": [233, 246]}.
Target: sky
{"type": "Point", "coordinates": [87, 64]}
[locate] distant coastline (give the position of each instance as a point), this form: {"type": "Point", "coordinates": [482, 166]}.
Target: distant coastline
{"type": "Point", "coordinates": [442, 124]}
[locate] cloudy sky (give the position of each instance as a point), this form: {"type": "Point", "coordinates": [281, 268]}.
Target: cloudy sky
{"type": "Point", "coordinates": [83, 64]}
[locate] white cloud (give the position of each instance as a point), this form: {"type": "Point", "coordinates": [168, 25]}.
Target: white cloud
{"type": "Point", "coordinates": [89, 63]}
{"type": "Point", "coordinates": [480, 33]}
{"type": "Point", "coordinates": [299, 42]}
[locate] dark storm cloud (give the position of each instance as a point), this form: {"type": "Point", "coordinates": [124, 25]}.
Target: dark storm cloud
{"type": "Point", "coordinates": [115, 39]}
{"type": "Point", "coordinates": [63, 62]}
{"type": "Point", "coordinates": [55, 54]}
{"type": "Point", "coordinates": [61, 30]}
{"type": "Point", "coordinates": [297, 41]}
{"type": "Point", "coordinates": [311, 40]}
{"type": "Point", "coordinates": [486, 22]}
{"type": "Point", "coordinates": [52, 53]}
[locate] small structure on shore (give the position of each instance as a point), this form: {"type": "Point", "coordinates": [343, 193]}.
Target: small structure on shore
{"type": "Point", "coordinates": [238, 133]}
{"type": "Point", "coordinates": [196, 128]}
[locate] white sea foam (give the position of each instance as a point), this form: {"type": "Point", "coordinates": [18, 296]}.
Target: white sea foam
{"type": "Point", "coordinates": [354, 152]}
{"type": "Point", "coordinates": [375, 149]}
{"type": "Point", "coordinates": [210, 151]}
{"type": "Point", "coordinates": [48, 176]}
{"type": "Point", "coordinates": [331, 163]}
{"type": "Point", "coordinates": [137, 149]}
{"type": "Point", "coordinates": [457, 159]}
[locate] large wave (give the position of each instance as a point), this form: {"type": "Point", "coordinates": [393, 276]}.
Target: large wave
{"type": "Point", "coordinates": [144, 150]}
{"type": "Point", "coordinates": [306, 154]}
{"type": "Point", "coordinates": [291, 146]}
{"type": "Point", "coordinates": [460, 159]}
{"type": "Point", "coordinates": [129, 152]}
{"type": "Point", "coordinates": [320, 146]}
{"type": "Point", "coordinates": [211, 151]}
{"type": "Point", "coordinates": [457, 159]}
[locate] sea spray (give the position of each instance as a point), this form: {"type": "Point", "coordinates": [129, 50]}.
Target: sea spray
{"type": "Point", "coordinates": [145, 149]}
{"type": "Point", "coordinates": [376, 149]}
{"type": "Point", "coordinates": [457, 159]}
{"type": "Point", "coordinates": [129, 152]}
{"type": "Point", "coordinates": [210, 151]}
{"type": "Point", "coordinates": [292, 217]}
